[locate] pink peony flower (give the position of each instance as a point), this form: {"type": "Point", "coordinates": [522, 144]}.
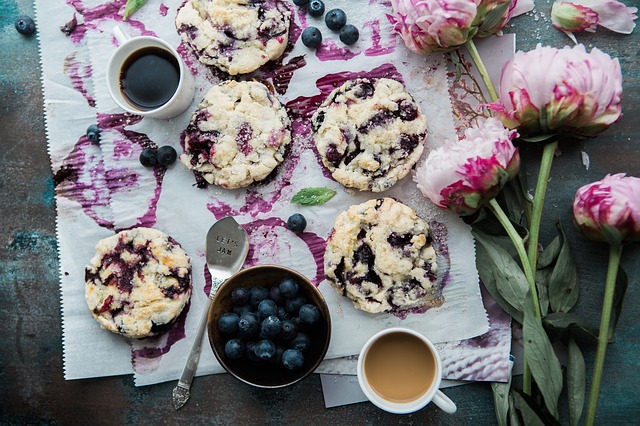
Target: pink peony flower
{"type": "Point", "coordinates": [463, 176]}
{"type": "Point", "coordinates": [609, 210]}
{"type": "Point", "coordinates": [429, 26]}
{"type": "Point", "coordinates": [548, 91]}
{"type": "Point", "coordinates": [573, 16]}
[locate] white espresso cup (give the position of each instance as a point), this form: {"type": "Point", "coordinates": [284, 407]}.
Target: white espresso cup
{"type": "Point", "coordinates": [156, 94]}
{"type": "Point", "coordinates": [399, 371]}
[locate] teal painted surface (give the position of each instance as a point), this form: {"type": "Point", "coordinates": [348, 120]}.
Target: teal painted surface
{"type": "Point", "coordinates": [31, 375]}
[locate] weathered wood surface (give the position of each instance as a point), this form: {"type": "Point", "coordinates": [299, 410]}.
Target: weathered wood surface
{"type": "Point", "coordinates": [31, 378]}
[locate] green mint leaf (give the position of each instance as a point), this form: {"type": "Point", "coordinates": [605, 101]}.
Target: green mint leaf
{"type": "Point", "coordinates": [131, 7]}
{"type": "Point", "coordinates": [313, 196]}
{"type": "Point", "coordinates": [563, 283]}
{"type": "Point", "coordinates": [576, 382]}
{"type": "Point", "coordinates": [544, 364]}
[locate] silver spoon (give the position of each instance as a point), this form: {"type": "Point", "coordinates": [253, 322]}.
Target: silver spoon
{"type": "Point", "coordinates": [226, 249]}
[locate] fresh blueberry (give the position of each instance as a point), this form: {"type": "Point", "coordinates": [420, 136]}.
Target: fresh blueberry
{"type": "Point", "coordinates": [296, 223]}
{"type": "Point", "coordinates": [292, 359]}
{"type": "Point", "coordinates": [264, 349]}
{"type": "Point", "coordinates": [228, 323]}
{"type": "Point", "coordinates": [250, 350]}
{"type": "Point", "coordinates": [148, 157]}
{"type": "Point", "coordinates": [276, 359]}
{"type": "Point", "coordinates": [289, 287]}
{"type": "Point", "coordinates": [274, 294]}
{"type": "Point", "coordinates": [349, 34]}
{"type": "Point", "coordinates": [270, 327]}
{"type": "Point", "coordinates": [301, 342]}
{"type": "Point", "coordinates": [234, 349]}
{"type": "Point", "coordinates": [267, 307]}
{"type": "Point", "coordinates": [241, 309]}
{"type": "Point", "coordinates": [248, 324]}
{"type": "Point", "coordinates": [166, 155]}
{"type": "Point", "coordinates": [93, 133]}
{"type": "Point", "coordinates": [240, 296]}
{"type": "Point", "coordinates": [25, 25]}
{"type": "Point", "coordinates": [257, 295]}
{"type": "Point", "coordinates": [283, 314]}
{"type": "Point", "coordinates": [301, 3]}
{"type": "Point", "coordinates": [335, 19]}
{"type": "Point", "coordinates": [309, 314]}
{"type": "Point", "coordinates": [294, 304]}
{"type": "Point", "coordinates": [289, 330]}
{"type": "Point", "coordinates": [311, 37]}
{"type": "Point", "coordinates": [315, 8]}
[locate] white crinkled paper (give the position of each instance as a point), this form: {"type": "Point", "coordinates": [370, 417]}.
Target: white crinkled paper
{"type": "Point", "coordinates": [125, 194]}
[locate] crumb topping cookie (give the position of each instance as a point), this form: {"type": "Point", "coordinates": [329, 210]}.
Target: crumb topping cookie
{"type": "Point", "coordinates": [138, 282]}
{"type": "Point", "coordinates": [237, 136]}
{"type": "Point", "coordinates": [379, 255]}
{"type": "Point", "coordinates": [237, 36]}
{"type": "Point", "coordinates": [369, 133]}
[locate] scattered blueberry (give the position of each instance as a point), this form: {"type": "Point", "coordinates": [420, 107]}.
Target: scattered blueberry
{"type": "Point", "coordinates": [301, 3]}
{"type": "Point", "coordinates": [228, 323]}
{"type": "Point", "coordinates": [25, 25]}
{"type": "Point", "coordinates": [234, 349]}
{"type": "Point", "coordinates": [311, 37]}
{"type": "Point", "coordinates": [266, 308]}
{"type": "Point", "coordinates": [301, 342]}
{"type": "Point", "coordinates": [270, 327]}
{"type": "Point", "coordinates": [309, 314]}
{"type": "Point", "coordinates": [166, 155]}
{"type": "Point", "coordinates": [289, 287]}
{"type": "Point", "coordinates": [289, 330]}
{"type": "Point", "coordinates": [240, 296]}
{"type": "Point", "coordinates": [294, 304]}
{"type": "Point", "coordinates": [292, 359]}
{"type": "Point", "coordinates": [264, 349]}
{"type": "Point", "coordinates": [349, 34]}
{"type": "Point", "coordinates": [148, 157]}
{"type": "Point", "coordinates": [257, 295]}
{"type": "Point", "coordinates": [93, 133]}
{"type": "Point", "coordinates": [335, 19]}
{"type": "Point", "coordinates": [315, 8]}
{"type": "Point", "coordinates": [296, 223]}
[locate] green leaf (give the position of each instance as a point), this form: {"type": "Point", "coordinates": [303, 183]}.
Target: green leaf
{"type": "Point", "coordinates": [542, 285]}
{"type": "Point", "coordinates": [514, 419]}
{"type": "Point", "coordinates": [131, 7]}
{"type": "Point", "coordinates": [458, 65]}
{"type": "Point", "coordinates": [543, 362]}
{"type": "Point", "coordinates": [313, 196]}
{"type": "Point", "coordinates": [560, 323]}
{"type": "Point", "coordinates": [618, 298]}
{"type": "Point", "coordinates": [511, 200]}
{"type": "Point", "coordinates": [493, 18]}
{"type": "Point", "coordinates": [502, 275]}
{"type": "Point", "coordinates": [529, 415]}
{"type": "Point", "coordinates": [576, 381]}
{"type": "Point", "coordinates": [501, 401]}
{"type": "Point", "coordinates": [563, 284]}
{"type": "Point", "coordinates": [550, 254]}
{"type": "Point", "coordinates": [539, 138]}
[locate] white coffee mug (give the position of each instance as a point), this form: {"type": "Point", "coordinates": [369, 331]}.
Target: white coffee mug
{"type": "Point", "coordinates": [183, 95]}
{"type": "Point", "coordinates": [390, 354]}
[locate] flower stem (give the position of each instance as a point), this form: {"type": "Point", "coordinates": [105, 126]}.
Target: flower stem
{"type": "Point", "coordinates": [528, 272]}
{"type": "Point", "coordinates": [615, 251]}
{"type": "Point", "coordinates": [477, 60]}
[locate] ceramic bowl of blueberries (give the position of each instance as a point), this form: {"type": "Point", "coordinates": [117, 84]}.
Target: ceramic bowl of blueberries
{"type": "Point", "coordinates": [269, 326]}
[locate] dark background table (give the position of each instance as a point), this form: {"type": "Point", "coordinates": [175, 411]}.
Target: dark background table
{"type": "Point", "coordinates": [32, 384]}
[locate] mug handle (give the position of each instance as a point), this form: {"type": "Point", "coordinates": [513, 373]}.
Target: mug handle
{"type": "Point", "coordinates": [120, 35]}
{"type": "Point", "coordinates": [444, 402]}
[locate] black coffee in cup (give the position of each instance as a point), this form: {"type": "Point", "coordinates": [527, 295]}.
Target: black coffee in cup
{"type": "Point", "coordinates": [149, 77]}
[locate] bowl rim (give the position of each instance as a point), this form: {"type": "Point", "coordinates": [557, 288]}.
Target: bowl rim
{"type": "Point", "coordinates": [298, 275]}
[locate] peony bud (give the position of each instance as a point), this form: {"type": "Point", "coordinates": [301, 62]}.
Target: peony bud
{"type": "Point", "coordinates": [573, 16]}
{"type": "Point", "coordinates": [549, 91]}
{"type": "Point", "coordinates": [609, 210]}
{"type": "Point", "coordinates": [429, 26]}
{"type": "Point", "coordinates": [463, 176]}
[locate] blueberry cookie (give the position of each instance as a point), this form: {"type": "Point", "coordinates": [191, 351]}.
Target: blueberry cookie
{"type": "Point", "coordinates": [369, 133]}
{"type": "Point", "coordinates": [236, 36]}
{"type": "Point", "coordinates": [138, 282]}
{"type": "Point", "coordinates": [237, 136]}
{"type": "Point", "coordinates": [380, 256]}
